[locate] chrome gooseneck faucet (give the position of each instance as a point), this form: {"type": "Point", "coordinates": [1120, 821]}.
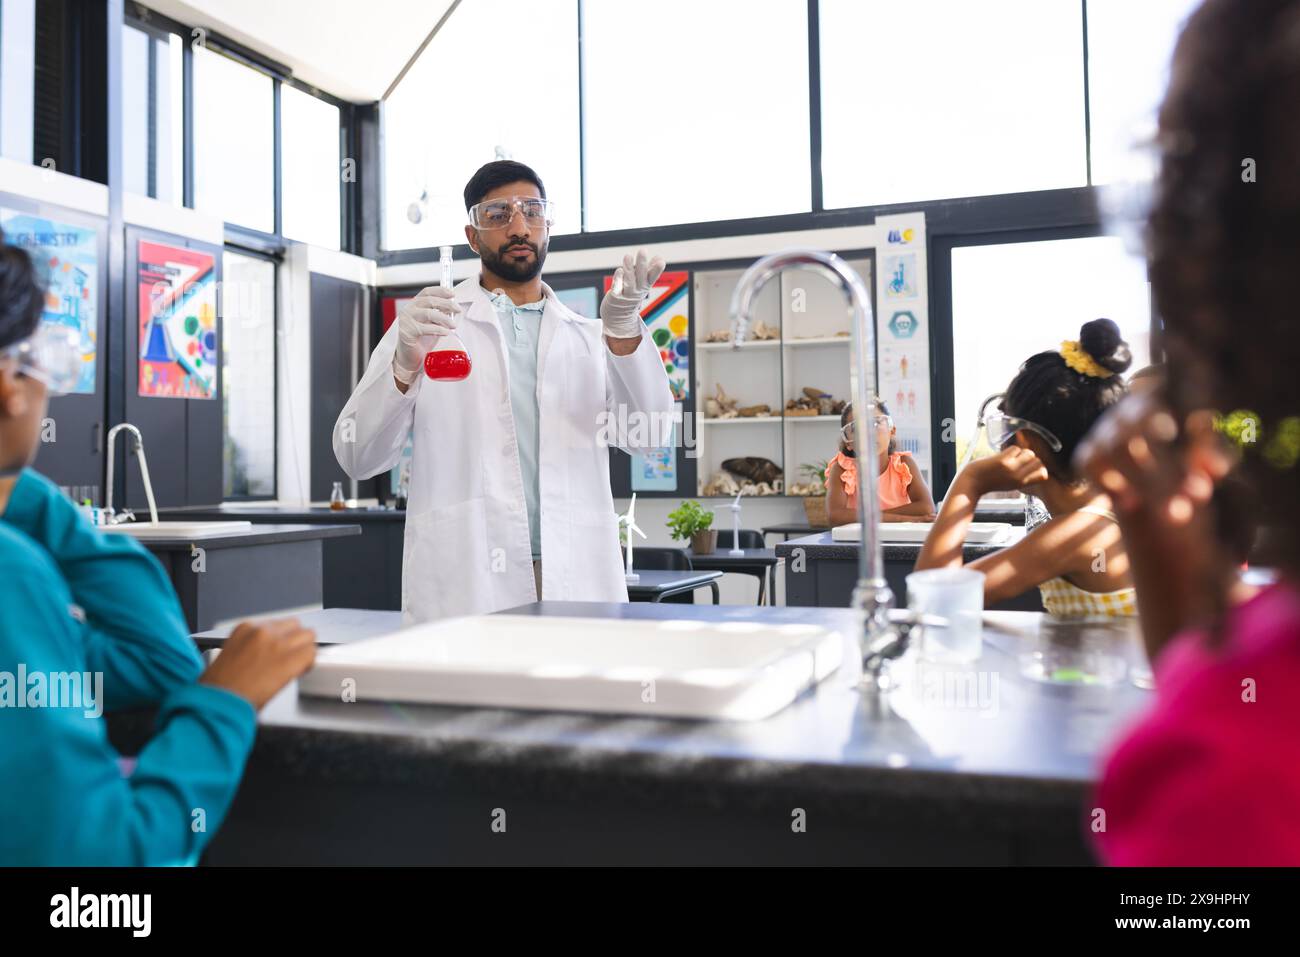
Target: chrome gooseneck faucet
{"type": "Point", "coordinates": [884, 635]}
{"type": "Point", "coordinates": [111, 517]}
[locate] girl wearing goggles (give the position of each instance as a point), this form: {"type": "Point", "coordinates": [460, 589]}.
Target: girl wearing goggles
{"type": "Point", "coordinates": [904, 496]}
{"type": "Point", "coordinates": [1076, 558]}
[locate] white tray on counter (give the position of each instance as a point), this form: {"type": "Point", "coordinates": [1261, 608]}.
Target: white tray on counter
{"type": "Point", "coordinates": [903, 533]}
{"type": "Point", "coordinates": [735, 671]}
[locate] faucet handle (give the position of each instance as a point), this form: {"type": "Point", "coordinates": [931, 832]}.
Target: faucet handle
{"type": "Point", "coordinates": [905, 624]}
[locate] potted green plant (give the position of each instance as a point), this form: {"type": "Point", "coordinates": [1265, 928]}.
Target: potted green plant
{"type": "Point", "coordinates": [814, 506]}
{"type": "Point", "coordinates": [691, 520]}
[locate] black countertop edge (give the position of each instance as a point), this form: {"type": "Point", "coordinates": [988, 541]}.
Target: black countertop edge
{"type": "Point", "coordinates": [822, 546]}
{"type": "Point", "coordinates": [282, 513]}
{"type": "Point", "coordinates": [256, 535]}
{"type": "Point", "coordinates": [380, 758]}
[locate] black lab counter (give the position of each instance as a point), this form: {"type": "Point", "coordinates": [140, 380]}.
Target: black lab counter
{"type": "Point", "coordinates": [969, 764]}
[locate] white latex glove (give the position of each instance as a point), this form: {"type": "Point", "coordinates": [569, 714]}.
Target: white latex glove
{"type": "Point", "coordinates": [620, 310]}
{"type": "Point", "coordinates": [428, 317]}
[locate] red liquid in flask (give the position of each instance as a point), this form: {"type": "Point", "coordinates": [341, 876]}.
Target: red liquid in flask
{"type": "Point", "coordinates": [447, 365]}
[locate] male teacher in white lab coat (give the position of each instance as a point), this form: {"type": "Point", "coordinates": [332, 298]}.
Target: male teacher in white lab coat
{"type": "Point", "coordinates": [509, 498]}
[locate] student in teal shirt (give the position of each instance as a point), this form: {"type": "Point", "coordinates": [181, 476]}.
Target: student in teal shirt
{"type": "Point", "coordinates": [88, 623]}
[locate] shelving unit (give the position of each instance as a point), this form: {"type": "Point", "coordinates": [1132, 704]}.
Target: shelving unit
{"type": "Point", "coordinates": [809, 312]}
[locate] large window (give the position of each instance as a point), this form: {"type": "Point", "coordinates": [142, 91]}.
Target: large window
{"type": "Point", "coordinates": [931, 99]}
{"type": "Point", "coordinates": [152, 105]}
{"type": "Point", "coordinates": [234, 147]}
{"type": "Point", "coordinates": [696, 112]}
{"type": "Point", "coordinates": [17, 78]}
{"type": "Point", "coordinates": [500, 79]}
{"type": "Point", "coordinates": [248, 371]}
{"type": "Point", "coordinates": [1129, 48]}
{"type": "Point", "coordinates": [310, 162]}
{"type": "Point", "coordinates": [1012, 300]}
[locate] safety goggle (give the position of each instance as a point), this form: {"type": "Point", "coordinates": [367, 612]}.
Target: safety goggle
{"type": "Point", "coordinates": [1001, 428]}
{"type": "Point", "coordinates": [879, 421]}
{"type": "Point", "coordinates": [51, 355]}
{"type": "Point", "coordinates": [499, 213]}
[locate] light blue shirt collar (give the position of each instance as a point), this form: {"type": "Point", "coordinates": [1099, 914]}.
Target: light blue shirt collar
{"type": "Point", "coordinates": [503, 302]}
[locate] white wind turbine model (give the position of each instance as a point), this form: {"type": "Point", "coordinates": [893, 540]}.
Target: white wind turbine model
{"type": "Point", "coordinates": [629, 521]}
{"type": "Point", "coordinates": [735, 527]}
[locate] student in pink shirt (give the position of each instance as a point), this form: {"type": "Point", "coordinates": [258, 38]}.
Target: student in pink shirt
{"type": "Point", "coordinates": [1210, 775]}
{"type": "Point", "coordinates": [903, 494]}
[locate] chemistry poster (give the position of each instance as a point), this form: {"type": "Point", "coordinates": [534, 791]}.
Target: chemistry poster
{"type": "Point", "coordinates": [178, 322]}
{"type": "Point", "coordinates": [667, 318]}
{"type": "Point", "coordinates": [67, 260]}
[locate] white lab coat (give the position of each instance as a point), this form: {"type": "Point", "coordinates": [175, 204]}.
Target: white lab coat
{"type": "Point", "coordinates": [467, 547]}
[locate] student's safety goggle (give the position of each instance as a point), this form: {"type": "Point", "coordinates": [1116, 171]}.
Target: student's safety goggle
{"type": "Point", "coordinates": [879, 421]}
{"type": "Point", "coordinates": [51, 355]}
{"type": "Point", "coordinates": [1002, 428]}
{"type": "Point", "coordinates": [498, 213]}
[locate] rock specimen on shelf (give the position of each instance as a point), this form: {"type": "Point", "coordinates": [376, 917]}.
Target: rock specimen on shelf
{"type": "Point", "coordinates": [750, 411]}
{"type": "Point", "coordinates": [723, 485]}
{"type": "Point", "coordinates": [798, 407]}
{"type": "Point", "coordinates": [718, 335]}
{"type": "Point", "coordinates": [814, 402]}
{"type": "Point", "coordinates": [807, 488]}
{"type": "Point", "coordinates": [720, 483]}
{"type": "Point", "coordinates": [762, 332]}
{"type": "Point", "coordinates": [755, 468]}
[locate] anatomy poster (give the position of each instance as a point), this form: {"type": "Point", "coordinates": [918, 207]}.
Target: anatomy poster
{"type": "Point", "coordinates": [902, 335]}
{"type": "Point", "coordinates": [67, 261]}
{"type": "Point", "coordinates": [178, 322]}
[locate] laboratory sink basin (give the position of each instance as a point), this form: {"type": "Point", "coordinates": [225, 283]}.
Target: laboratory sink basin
{"type": "Point", "coordinates": [735, 670]}
{"type": "Point", "coordinates": [148, 530]}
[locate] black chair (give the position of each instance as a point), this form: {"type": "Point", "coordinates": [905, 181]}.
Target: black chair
{"type": "Point", "coordinates": [652, 558]}
{"type": "Point", "coordinates": [749, 538]}
{"type": "Point", "coordinates": [661, 559]}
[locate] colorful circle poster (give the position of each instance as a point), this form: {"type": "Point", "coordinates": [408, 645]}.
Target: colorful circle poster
{"type": "Point", "coordinates": [667, 315]}
{"type": "Point", "coordinates": [178, 322]}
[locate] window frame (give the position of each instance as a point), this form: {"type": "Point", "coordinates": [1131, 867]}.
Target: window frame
{"type": "Point", "coordinates": [276, 262]}
{"type": "Point", "coordinates": [815, 217]}
{"type": "Point", "coordinates": [942, 358]}
{"type": "Point", "coordinates": [142, 18]}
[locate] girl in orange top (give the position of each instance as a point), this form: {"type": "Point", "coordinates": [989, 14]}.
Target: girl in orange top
{"type": "Point", "coordinates": [904, 496]}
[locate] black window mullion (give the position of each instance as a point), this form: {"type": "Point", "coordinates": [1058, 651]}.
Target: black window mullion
{"type": "Point", "coordinates": [815, 105]}
{"type": "Point", "coordinates": [276, 165]}
{"type": "Point", "coordinates": [187, 124]}
{"type": "Point", "coordinates": [151, 118]}
{"type": "Point", "coordinates": [1087, 104]}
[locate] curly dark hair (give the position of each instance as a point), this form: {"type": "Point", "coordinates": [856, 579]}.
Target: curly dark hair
{"type": "Point", "coordinates": [22, 297]}
{"type": "Point", "coordinates": [1047, 392]}
{"type": "Point", "coordinates": [1223, 237]}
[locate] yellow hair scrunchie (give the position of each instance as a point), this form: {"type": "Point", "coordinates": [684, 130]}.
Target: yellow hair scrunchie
{"type": "Point", "coordinates": [1080, 361]}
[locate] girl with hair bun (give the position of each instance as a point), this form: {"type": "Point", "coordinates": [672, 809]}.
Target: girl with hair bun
{"type": "Point", "coordinates": [1076, 558]}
